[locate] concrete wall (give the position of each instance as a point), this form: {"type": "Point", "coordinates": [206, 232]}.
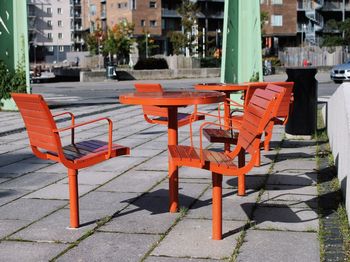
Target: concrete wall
{"type": "Point", "coordinates": [128, 74]}
{"type": "Point", "coordinates": [338, 128]}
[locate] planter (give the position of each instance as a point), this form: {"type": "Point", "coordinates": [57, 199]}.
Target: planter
{"type": "Point", "coordinates": [8, 105]}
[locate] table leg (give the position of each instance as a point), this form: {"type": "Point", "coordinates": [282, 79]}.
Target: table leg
{"type": "Point", "coordinates": [227, 121]}
{"type": "Point", "coordinates": [173, 170]}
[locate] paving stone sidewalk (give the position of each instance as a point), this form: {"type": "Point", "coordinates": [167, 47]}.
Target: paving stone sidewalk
{"type": "Point", "coordinates": [124, 201]}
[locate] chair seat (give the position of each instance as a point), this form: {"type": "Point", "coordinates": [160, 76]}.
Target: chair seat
{"type": "Point", "coordinates": [215, 135]}
{"type": "Point", "coordinates": [190, 156]}
{"type": "Point", "coordinates": [84, 150]}
{"type": "Point", "coordinates": [182, 118]}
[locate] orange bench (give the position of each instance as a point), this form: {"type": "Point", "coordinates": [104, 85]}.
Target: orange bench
{"type": "Point", "coordinates": [45, 141]}
{"type": "Point", "coordinates": [259, 112]}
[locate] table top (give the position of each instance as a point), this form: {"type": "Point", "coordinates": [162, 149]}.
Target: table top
{"type": "Point", "coordinates": [171, 98]}
{"type": "Point", "coordinates": [223, 87]}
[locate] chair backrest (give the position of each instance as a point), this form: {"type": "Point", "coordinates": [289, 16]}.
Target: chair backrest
{"type": "Point", "coordinates": [284, 108]}
{"type": "Point", "coordinates": [261, 109]}
{"type": "Point", "coordinates": [38, 121]}
{"type": "Point", "coordinates": [151, 110]}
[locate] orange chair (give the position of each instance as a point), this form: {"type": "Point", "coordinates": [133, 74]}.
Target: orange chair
{"type": "Point", "coordinates": [229, 137]}
{"type": "Point", "coordinates": [44, 137]}
{"type": "Point", "coordinates": [161, 114]}
{"type": "Point", "coordinates": [259, 112]}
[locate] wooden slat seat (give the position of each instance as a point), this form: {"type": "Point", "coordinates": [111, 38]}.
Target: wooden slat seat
{"type": "Point", "coordinates": [159, 115]}
{"type": "Point", "coordinates": [45, 141]}
{"type": "Point", "coordinates": [259, 112]}
{"type": "Point", "coordinates": [215, 135]}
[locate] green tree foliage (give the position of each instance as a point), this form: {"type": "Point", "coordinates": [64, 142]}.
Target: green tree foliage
{"type": "Point", "coordinates": [152, 46]}
{"type": "Point", "coordinates": [345, 27]}
{"type": "Point", "coordinates": [264, 17]}
{"type": "Point", "coordinates": [94, 39]}
{"type": "Point", "coordinates": [188, 11]}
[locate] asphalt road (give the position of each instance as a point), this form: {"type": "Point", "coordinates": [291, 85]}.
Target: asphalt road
{"type": "Point", "coordinates": [68, 93]}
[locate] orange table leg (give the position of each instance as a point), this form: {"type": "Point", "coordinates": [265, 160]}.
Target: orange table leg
{"type": "Point", "coordinates": [173, 169]}
{"type": "Point", "coordinates": [227, 118]}
{"type": "Point", "coordinates": [73, 197]}
{"type": "Point", "coordinates": [217, 206]}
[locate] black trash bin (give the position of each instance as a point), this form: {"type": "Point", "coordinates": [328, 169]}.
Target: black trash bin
{"type": "Point", "coordinates": [111, 72]}
{"type": "Point", "coordinates": [302, 119]}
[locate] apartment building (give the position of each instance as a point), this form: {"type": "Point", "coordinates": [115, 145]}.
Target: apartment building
{"type": "Point", "coordinates": [156, 17]}
{"type": "Point", "coordinates": [55, 27]}
{"type": "Point", "coordinates": [301, 22]}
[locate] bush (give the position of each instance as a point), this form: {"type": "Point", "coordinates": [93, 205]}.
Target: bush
{"type": "Point", "coordinates": [210, 62]}
{"type": "Point", "coordinates": [151, 63]}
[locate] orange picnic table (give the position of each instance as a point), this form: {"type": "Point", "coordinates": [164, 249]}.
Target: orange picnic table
{"type": "Point", "coordinates": [172, 100]}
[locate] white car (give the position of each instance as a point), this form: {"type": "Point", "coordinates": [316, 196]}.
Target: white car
{"type": "Point", "coordinates": [341, 72]}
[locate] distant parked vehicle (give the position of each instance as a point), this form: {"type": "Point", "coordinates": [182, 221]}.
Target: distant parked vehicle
{"type": "Point", "coordinates": [341, 73]}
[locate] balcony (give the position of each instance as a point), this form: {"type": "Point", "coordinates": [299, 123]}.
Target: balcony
{"type": "Point", "coordinates": [315, 17]}
{"type": "Point", "coordinates": [171, 13]}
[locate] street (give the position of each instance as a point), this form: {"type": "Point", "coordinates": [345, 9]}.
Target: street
{"type": "Point", "coordinates": [107, 92]}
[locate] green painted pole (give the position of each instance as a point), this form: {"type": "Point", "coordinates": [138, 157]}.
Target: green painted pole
{"type": "Point", "coordinates": [14, 35]}
{"type": "Point", "coordinates": [242, 57]}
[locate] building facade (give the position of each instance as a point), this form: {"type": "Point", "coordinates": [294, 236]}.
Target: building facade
{"type": "Point", "coordinates": [301, 22]}
{"type": "Point", "coordinates": [55, 27]}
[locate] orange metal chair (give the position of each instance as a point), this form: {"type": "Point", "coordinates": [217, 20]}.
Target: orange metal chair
{"type": "Point", "coordinates": [45, 142]}
{"type": "Point", "coordinates": [258, 114]}
{"type": "Point", "coordinates": [161, 114]}
{"type": "Point", "coordinates": [282, 114]}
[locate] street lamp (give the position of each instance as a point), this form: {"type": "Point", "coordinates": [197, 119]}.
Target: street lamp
{"type": "Point", "coordinates": [147, 35]}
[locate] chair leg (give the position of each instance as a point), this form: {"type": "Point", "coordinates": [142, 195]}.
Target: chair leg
{"type": "Point", "coordinates": [268, 136]}
{"type": "Point", "coordinates": [258, 159]}
{"type": "Point", "coordinates": [241, 185]}
{"type": "Point", "coordinates": [217, 206]}
{"type": "Point", "coordinates": [73, 198]}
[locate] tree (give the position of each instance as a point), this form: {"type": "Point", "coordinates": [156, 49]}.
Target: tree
{"type": "Point", "coordinates": [95, 40]}
{"type": "Point", "coordinates": [264, 17]}
{"type": "Point", "coordinates": [151, 46]}
{"type": "Point", "coordinates": [180, 40]}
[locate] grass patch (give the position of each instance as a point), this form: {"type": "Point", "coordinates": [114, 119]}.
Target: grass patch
{"type": "Point", "coordinates": [345, 230]}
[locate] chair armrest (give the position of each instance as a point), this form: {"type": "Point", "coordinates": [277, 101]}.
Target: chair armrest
{"type": "Point", "coordinates": [72, 119]}
{"type": "Point", "coordinates": [110, 125]}
{"type": "Point", "coordinates": [201, 136]}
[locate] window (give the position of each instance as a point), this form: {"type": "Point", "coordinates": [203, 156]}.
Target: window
{"type": "Point", "coordinates": [152, 4]}
{"type": "Point", "coordinates": [277, 2]}
{"type": "Point", "coordinates": [61, 48]}
{"type": "Point", "coordinates": [60, 35]}
{"type": "Point", "coordinates": [133, 4]}
{"type": "Point", "coordinates": [49, 23]}
{"type": "Point", "coordinates": [49, 10]}
{"type": "Point", "coordinates": [59, 11]}
{"type": "Point", "coordinates": [49, 35]}
{"type": "Point", "coordinates": [276, 20]}
{"type": "Point", "coordinates": [153, 23]}
{"type": "Point", "coordinates": [92, 9]}
{"type": "Point", "coordinates": [50, 48]}
{"type": "Point", "coordinates": [123, 5]}
{"type": "Point", "coordinates": [143, 23]}
{"type": "Point", "coordinates": [59, 23]}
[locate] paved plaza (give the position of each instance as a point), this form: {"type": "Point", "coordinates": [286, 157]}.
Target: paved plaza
{"type": "Point", "coordinates": [124, 201]}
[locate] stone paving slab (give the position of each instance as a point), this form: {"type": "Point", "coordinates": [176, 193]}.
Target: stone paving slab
{"type": "Point", "coordinates": [29, 252]}
{"type": "Point", "coordinates": [111, 247]}
{"type": "Point", "coordinates": [276, 246]}
{"type": "Point", "coordinates": [159, 163]}
{"type": "Point", "coordinates": [58, 191]}
{"type": "Point", "coordinates": [290, 165]}
{"type": "Point", "coordinates": [19, 168]}
{"type": "Point", "coordinates": [23, 209]}
{"type": "Point", "coordinates": [9, 226]}
{"type": "Point", "coordinates": [176, 259]}
{"type": "Point", "coordinates": [117, 164]}
{"type": "Point", "coordinates": [93, 178]}
{"type": "Point", "coordinates": [192, 238]}
{"type": "Point", "coordinates": [251, 181]}
{"type": "Point", "coordinates": [141, 152]}
{"type": "Point", "coordinates": [8, 195]}
{"type": "Point", "coordinates": [55, 228]}
{"type": "Point", "coordinates": [285, 218]}
{"type": "Point", "coordinates": [234, 207]}
{"type": "Point", "coordinates": [295, 179]}
{"type": "Point", "coordinates": [32, 181]}
{"type": "Point", "coordinates": [134, 181]}
{"type": "Point", "coordinates": [290, 195]}
{"type": "Point", "coordinates": [147, 215]}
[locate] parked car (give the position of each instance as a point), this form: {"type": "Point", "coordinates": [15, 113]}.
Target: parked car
{"type": "Point", "coordinates": [341, 72]}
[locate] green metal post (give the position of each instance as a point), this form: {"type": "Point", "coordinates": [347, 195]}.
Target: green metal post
{"type": "Point", "coordinates": [14, 35]}
{"type": "Point", "coordinates": [241, 59]}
